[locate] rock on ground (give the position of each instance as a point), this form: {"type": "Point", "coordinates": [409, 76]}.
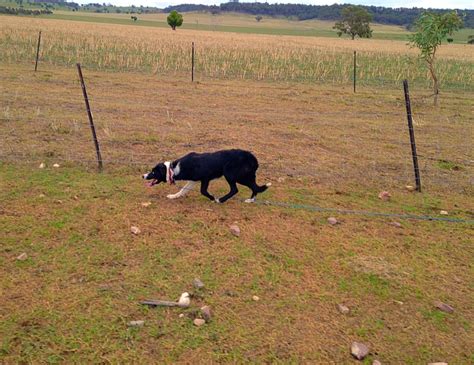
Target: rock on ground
{"type": "Point", "coordinates": [359, 350]}
{"type": "Point", "coordinates": [206, 313]}
{"type": "Point", "coordinates": [255, 298]}
{"type": "Point", "coordinates": [235, 230]}
{"type": "Point", "coordinates": [198, 284]}
{"type": "Point", "coordinates": [136, 323]}
{"type": "Point", "coordinates": [384, 195]}
{"type": "Point", "coordinates": [135, 230]}
{"type": "Point", "coordinates": [376, 362]}
{"type": "Point", "coordinates": [444, 307]}
{"type": "Point", "coordinates": [199, 322]}
{"type": "Point", "coordinates": [342, 308]}
{"type": "Point", "coordinates": [22, 257]}
{"type": "Point", "coordinates": [332, 221]}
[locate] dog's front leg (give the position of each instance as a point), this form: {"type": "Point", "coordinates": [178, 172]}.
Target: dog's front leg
{"type": "Point", "coordinates": [186, 188]}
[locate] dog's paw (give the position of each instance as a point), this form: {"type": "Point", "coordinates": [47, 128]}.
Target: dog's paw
{"type": "Point", "coordinates": [171, 196]}
{"type": "Point", "coordinates": [268, 184]}
{"type": "Point", "coordinates": [250, 200]}
{"type": "Point", "coordinates": [216, 200]}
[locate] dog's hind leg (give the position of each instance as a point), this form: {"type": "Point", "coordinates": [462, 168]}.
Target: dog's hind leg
{"type": "Point", "coordinates": [186, 188]}
{"type": "Point", "coordinates": [204, 186]}
{"type": "Point", "coordinates": [252, 185]}
{"type": "Point", "coordinates": [230, 194]}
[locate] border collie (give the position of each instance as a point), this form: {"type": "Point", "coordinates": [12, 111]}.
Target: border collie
{"type": "Point", "coordinates": [237, 166]}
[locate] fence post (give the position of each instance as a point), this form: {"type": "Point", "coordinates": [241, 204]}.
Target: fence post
{"type": "Point", "coordinates": [37, 51]}
{"type": "Point", "coordinates": [355, 69]}
{"type": "Point", "coordinates": [89, 114]}
{"type": "Point", "coordinates": [192, 63]}
{"type": "Point", "coordinates": [412, 136]}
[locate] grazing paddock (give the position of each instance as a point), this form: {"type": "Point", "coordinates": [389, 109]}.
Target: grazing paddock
{"type": "Point", "coordinates": [70, 299]}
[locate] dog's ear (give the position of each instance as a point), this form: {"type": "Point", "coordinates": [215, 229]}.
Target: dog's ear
{"type": "Point", "coordinates": [160, 172]}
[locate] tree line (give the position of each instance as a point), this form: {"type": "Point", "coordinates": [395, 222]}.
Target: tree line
{"type": "Point", "coordinates": [399, 16]}
{"type": "Point", "coordinates": [21, 11]}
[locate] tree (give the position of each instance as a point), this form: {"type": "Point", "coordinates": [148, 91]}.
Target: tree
{"type": "Point", "coordinates": [175, 19]}
{"type": "Point", "coordinates": [355, 22]}
{"type": "Point", "coordinates": [431, 30]}
{"type": "Point", "coordinates": [470, 39]}
{"type": "Point", "coordinates": [258, 18]}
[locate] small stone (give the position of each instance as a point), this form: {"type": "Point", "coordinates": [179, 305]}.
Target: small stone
{"type": "Point", "coordinates": [410, 188]}
{"type": "Point", "coordinates": [444, 307]}
{"type": "Point", "coordinates": [398, 302]}
{"type": "Point", "coordinates": [136, 323]}
{"type": "Point", "coordinates": [41, 195]}
{"type": "Point", "coordinates": [332, 221]}
{"type": "Point", "coordinates": [42, 165]}
{"type": "Point", "coordinates": [75, 197]}
{"type": "Point", "coordinates": [22, 257]}
{"type": "Point", "coordinates": [443, 212]}
{"type": "Point", "coordinates": [385, 196]}
{"type": "Point", "coordinates": [58, 201]}
{"type": "Point", "coordinates": [235, 230]}
{"type": "Point", "coordinates": [255, 298]}
{"type": "Point", "coordinates": [146, 204]}
{"type": "Point", "coordinates": [206, 313]}
{"type": "Point", "coordinates": [359, 350]}
{"type": "Point", "coordinates": [198, 284]}
{"type": "Point", "coordinates": [135, 230]}
{"type": "Point", "coordinates": [281, 179]}
{"type": "Point", "coordinates": [376, 362]}
{"type": "Point", "coordinates": [396, 224]}
{"type": "Point", "coordinates": [56, 165]}
{"type": "Point", "coordinates": [199, 322]}
{"type": "Point", "coordinates": [181, 315]}
{"type": "Point", "coordinates": [342, 308]}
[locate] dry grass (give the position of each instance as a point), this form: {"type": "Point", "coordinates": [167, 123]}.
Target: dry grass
{"type": "Point", "coordinates": [221, 55]}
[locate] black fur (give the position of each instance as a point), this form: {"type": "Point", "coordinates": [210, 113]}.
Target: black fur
{"type": "Point", "coordinates": [237, 166]}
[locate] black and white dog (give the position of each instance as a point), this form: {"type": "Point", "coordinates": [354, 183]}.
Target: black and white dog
{"type": "Point", "coordinates": [237, 166]}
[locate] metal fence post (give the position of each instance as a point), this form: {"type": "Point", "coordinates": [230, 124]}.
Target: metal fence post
{"type": "Point", "coordinates": [355, 69]}
{"type": "Point", "coordinates": [412, 136]}
{"type": "Point", "coordinates": [37, 51]}
{"type": "Point", "coordinates": [89, 114]}
{"type": "Point", "coordinates": [192, 63]}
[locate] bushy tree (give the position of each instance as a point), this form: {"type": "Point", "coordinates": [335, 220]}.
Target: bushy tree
{"type": "Point", "coordinates": [470, 39]}
{"type": "Point", "coordinates": [258, 18]}
{"type": "Point", "coordinates": [174, 19]}
{"type": "Point", "coordinates": [355, 22]}
{"type": "Point", "coordinates": [431, 30]}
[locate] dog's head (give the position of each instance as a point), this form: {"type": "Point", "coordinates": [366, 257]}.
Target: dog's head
{"type": "Point", "coordinates": [156, 175]}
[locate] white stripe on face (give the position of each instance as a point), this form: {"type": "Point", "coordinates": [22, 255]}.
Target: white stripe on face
{"type": "Point", "coordinates": [145, 176]}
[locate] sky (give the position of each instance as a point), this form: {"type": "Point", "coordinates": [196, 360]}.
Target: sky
{"type": "Point", "coordinates": [440, 4]}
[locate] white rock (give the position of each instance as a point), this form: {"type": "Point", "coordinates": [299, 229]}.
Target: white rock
{"type": "Point", "coordinates": [199, 322]}
{"type": "Point", "coordinates": [136, 323]}
{"type": "Point", "coordinates": [359, 350]}
{"type": "Point", "coordinates": [255, 298]}
{"type": "Point", "coordinates": [376, 362]}
{"type": "Point", "coordinates": [281, 179]}
{"type": "Point", "coordinates": [56, 165]}
{"type": "Point", "coordinates": [184, 300]}
{"type": "Point", "coordinates": [41, 195]}
{"type": "Point", "coordinates": [235, 230]}
{"type": "Point", "coordinates": [135, 230]}
{"type": "Point", "coordinates": [342, 308]}
{"type": "Point", "coordinates": [410, 188]}
{"type": "Point", "coordinates": [22, 257]}
{"type": "Point", "coordinates": [332, 221]}
{"type": "Point", "coordinates": [181, 315]}
{"type": "Point", "coordinates": [396, 224]}
{"type": "Point", "coordinates": [42, 165]}
{"type": "Point", "coordinates": [146, 204]}
{"type": "Point", "coordinates": [443, 212]}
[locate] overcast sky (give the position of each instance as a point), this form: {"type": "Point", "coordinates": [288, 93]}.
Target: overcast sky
{"type": "Point", "coordinates": [442, 4]}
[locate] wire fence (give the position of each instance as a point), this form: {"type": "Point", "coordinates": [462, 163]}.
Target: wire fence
{"type": "Point", "coordinates": [294, 135]}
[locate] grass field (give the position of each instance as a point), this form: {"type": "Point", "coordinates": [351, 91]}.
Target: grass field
{"type": "Point", "coordinates": [319, 144]}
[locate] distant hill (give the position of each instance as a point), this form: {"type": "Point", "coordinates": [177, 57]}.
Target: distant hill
{"type": "Point", "coordinates": [398, 16]}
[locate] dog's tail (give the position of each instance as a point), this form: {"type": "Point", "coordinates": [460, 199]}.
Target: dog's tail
{"type": "Point", "coordinates": [261, 189]}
